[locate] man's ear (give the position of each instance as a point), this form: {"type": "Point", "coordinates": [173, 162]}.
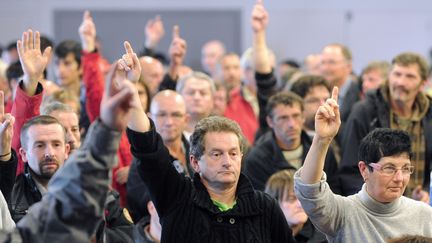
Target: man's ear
{"type": "Point", "coordinates": [269, 121]}
{"type": "Point", "coordinates": [194, 163]}
{"type": "Point", "coordinates": [364, 170]}
{"type": "Point", "coordinates": [23, 154]}
{"type": "Point", "coordinates": [67, 150]}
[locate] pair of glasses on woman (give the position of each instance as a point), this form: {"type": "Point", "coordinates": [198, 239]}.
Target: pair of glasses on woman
{"type": "Point", "coordinates": [391, 170]}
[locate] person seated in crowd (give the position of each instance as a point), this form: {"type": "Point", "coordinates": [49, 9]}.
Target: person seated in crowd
{"type": "Point", "coordinates": [285, 146]}
{"type": "Point", "coordinates": [373, 75]}
{"type": "Point", "coordinates": [281, 187]}
{"type": "Point", "coordinates": [168, 111]}
{"type": "Point", "coordinates": [211, 52]}
{"type": "Point", "coordinates": [385, 166]}
{"type": "Point", "coordinates": [197, 90]}
{"type": "Point", "coordinates": [220, 200]}
{"type": "Point", "coordinates": [73, 204]}
{"type": "Point", "coordinates": [400, 103]}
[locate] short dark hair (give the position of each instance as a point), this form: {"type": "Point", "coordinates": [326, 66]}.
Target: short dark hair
{"type": "Point", "coordinates": [44, 43]}
{"type": "Point", "coordinates": [14, 71]}
{"type": "Point", "coordinates": [286, 98]}
{"type": "Point", "coordinates": [302, 86]}
{"type": "Point", "coordinates": [69, 46]}
{"type": "Point", "coordinates": [38, 120]}
{"type": "Point", "coordinates": [213, 124]}
{"type": "Point", "coordinates": [383, 142]}
{"type": "Point", "coordinates": [11, 46]}
{"type": "Point", "coordinates": [409, 58]}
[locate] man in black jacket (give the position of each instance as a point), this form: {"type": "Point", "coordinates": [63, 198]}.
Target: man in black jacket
{"type": "Point", "coordinates": [219, 205]}
{"type": "Point", "coordinates": [398, 104]}
{"type": "Point", "coordinates": [286, 145]}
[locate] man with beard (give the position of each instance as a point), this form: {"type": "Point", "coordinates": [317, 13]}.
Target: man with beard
{"type": "Point", "coordinates": [44, 149]}
{"type": "Point", "coordinates": [400, 104]}
{"type": "Point", "coordinates": [285, 145]}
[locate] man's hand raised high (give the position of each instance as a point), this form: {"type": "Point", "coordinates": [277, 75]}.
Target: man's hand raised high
{"type": "Point", "coordinates": [154, 32]}
{"type": "Point", "coordinates": [129, 63]}
{"type": "Point", "coordinates": [260, 17]}
{"type": "Point", "coordinates": [327, 118]}
{"type": "Point", "coordinates": [33, 61]}
{"type": "Point", "coordinates": [87, 33]}
{"type": "Point", "coordinates": [177, 52]}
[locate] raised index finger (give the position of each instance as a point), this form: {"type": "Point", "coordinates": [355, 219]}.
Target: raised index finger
{"type": "Point", "coordinates": [176, 31]}
{"type": "Point", "coordinates": [128, 47]}
{"type": "Point", "coordinates": [259, 2]}
{"type": "Point", "coordinates": [335, 93]}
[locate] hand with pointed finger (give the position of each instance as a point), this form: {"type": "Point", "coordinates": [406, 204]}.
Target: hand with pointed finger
{"type": "Point", "coordinates": [33, 61]}
{"type": "Point", "coordinates": [87, 32]}
{"type": "Point", "coordinates": [327, 118]}
{"type": "Point", "coordinates": [154, 32]}
{"type": "Point", "coordinates": [178, 47]}
{"type": "Point", "coordinates": [260, 17]}
{"type": "Point", "coordinates": [118, 100]}
{"type": "Point", "coordinates": [130, 63]}
{"type": "Point", "coordinates": [6, 131]}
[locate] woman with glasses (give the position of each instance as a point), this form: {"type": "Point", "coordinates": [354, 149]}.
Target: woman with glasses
{"type": "Point", "coordinates": [379, 211]}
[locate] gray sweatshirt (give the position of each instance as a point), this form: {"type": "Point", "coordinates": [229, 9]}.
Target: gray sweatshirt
{"type": "Point", "coordinates": [360, 218]}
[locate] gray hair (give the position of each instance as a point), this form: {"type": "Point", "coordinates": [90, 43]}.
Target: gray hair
{"type": "Point", "coordinates": [197, 75]}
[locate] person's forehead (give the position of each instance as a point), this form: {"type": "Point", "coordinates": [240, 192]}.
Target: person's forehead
{"type": "Point", "coordinates": [397, 160]}
{"type": "Point", "coordinates": [413, 67]}
{"type": "Point", "coordinates": [196, 84]}
{"type": "Point", "coordinates": [45, 132]}
{"type": "Point", "coordinates": [169, 104]}
{"type": "Point", "coordinates": [70, 57]}
{"type": "Point", "coordinates": [221, 140]}
{"type": "Point", "coordinates": [318, 90]}
{"type": "Point", "coordinates": [332, 52]}
{"type": "Point", "coordinates": [282, 109]}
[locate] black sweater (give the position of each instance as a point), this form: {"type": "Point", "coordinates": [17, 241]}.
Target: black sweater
{"type": "Point", "coordinates": [186, 211]}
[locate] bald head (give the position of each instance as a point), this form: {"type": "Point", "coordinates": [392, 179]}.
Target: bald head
{"type": "Point", "coordinates": [152, 72]}
{"type": "Point", "coordinates": [168, 111]}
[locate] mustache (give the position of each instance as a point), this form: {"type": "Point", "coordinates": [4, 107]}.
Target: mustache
{"type": "Point", "coordinates": [49, 160]}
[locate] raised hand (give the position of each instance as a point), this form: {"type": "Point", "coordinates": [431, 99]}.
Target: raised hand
{"type": "Point", "coordinates": [6, 131]}
{"type": "Point", "coordinates": [130, 64]}
{"type": "Point", "coordinates": [260, 17]}
{"type": "Point", "coordinates": [154, 32]}
{"type": "Point", "coordinates": [177, 49]}
{"type": "Point", "coordinates": [87, 33]}
{"type": "Point", "coordinates": [33, 61]}
{"type": "Point", "coordinates": [327, 118]}
{"type": "Point", "coordinates": [118, 100]}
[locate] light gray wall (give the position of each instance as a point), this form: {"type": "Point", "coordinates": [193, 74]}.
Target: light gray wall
{"type": "Point", "coordinates": [376, 29]}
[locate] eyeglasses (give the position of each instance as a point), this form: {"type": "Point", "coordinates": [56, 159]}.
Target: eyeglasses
{"type": "Point", "coordinates": [391, 170]}
{"type": "Point", "coordinates": [175, 115]}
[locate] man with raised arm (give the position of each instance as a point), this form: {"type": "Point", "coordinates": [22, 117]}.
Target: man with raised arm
{"type": "Point", "coordinates": [219, 205]}
{"type": "Point", "coordinates": [72, 206]}
{"type": "Point", "coordinates": [379, 211]}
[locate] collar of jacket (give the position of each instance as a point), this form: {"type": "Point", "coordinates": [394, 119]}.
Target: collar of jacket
{"type": "Point", "coordinates": [269, 137]}
{"type": "Point", "coordinates": [246, 205]}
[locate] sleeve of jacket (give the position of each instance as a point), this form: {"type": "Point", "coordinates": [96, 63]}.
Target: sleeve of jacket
{"type": "Point", "coordinates": [266, 84]}
{"type": "Point", "coordinates": [73, 205]}
{"type": "Point", "coordinates": [7, 175]}
{"type": "Point", "coordinates": [24, 107]}
{"type": "Point", "coordinates": [94, 82]}
{"type": "Point", "coordinates": [166, 186]}
{"type": "Point", "coordinates": [356, 128]}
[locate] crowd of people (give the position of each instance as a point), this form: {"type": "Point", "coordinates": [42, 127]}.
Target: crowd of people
{"type": "Point", "coordinates": [247, 149]}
